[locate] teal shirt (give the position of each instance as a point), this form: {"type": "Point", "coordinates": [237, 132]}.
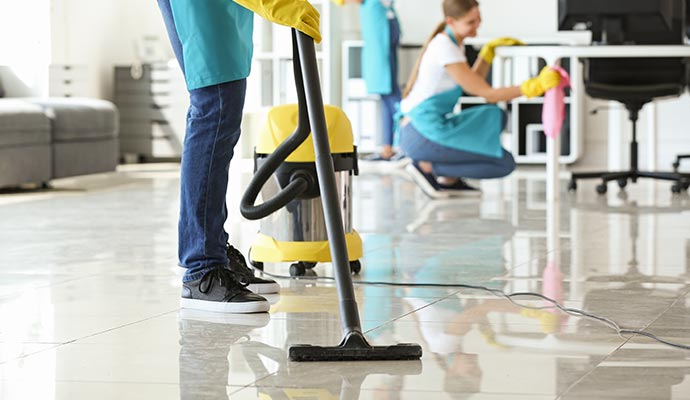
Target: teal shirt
{"type": "Point", "coordinates": [376, 69]}
{"type": "Point", "coordinates": [216, 37]}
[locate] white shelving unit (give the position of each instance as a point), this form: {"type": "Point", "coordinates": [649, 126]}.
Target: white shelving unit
{"type": "Point", "coordinates": [525, 138]}
{"type": "Point", "coordinates": [271, 81]}
{"type": "Point", "coordinates": [364, 109]}
{"type": "Point", "coordinates": [528, 142]}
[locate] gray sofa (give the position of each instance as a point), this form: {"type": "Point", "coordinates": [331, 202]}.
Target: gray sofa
{"type": "Point", "coordinates": [44, 139]}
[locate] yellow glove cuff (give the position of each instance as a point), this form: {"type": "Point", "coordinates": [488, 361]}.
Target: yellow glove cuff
{"type": "Point", "coordinates": [487, 53]}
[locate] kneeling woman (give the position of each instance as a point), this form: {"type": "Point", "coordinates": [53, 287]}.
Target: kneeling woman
{"type": "Point", "coordinates": [447, 146]}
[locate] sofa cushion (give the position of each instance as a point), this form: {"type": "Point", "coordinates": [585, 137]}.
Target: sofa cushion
{"type": "Point", "coordinates": [75, 119]}
{"type": "Point", "coordinates": [22, 123]}
{"type": "Point", "coordinates": [25, 164]}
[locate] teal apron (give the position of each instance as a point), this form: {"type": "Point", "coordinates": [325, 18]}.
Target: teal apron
{"type": "Point", "coordinates": [475, 129]}
{"type": "Point", "coordinates": [216, 37]}
{"type": "Point", "coordinates": [376, 69]}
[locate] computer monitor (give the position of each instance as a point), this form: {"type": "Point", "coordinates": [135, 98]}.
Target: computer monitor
{"type": "Point", "coordinates": [626, 21]}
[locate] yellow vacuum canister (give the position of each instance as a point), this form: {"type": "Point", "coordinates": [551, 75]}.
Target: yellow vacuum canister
{"type": "Point", "coordinates": [297, 232]}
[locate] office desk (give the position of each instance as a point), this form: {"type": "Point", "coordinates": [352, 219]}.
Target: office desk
{"type": "Point", "coordinates": [552, 54]}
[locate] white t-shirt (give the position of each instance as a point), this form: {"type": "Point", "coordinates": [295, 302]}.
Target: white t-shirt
{"type": "Point", "coordinates": [433, 78]}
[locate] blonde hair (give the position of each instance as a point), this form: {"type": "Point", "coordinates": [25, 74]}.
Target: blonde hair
{"type": "Point", "coordinates": [453, 9]}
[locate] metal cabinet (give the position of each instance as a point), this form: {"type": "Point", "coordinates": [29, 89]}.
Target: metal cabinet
{"type": "Point", "coordinates": [152, 101]}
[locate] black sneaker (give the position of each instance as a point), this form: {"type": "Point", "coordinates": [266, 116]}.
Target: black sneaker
{"type": "Point", "coordinates": [219, 290]}
{"type": "Point", "coordinates": [460, 186]}
{"type": "Point", "coordinates": [238, 265]}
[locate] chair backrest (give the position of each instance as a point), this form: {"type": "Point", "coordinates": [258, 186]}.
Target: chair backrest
{"type": "Point", "coordinates": [635, 71]}
{"type": "Point", "coordinates": [639, 80]}
{"type": "Point", "coordinates": [636, 80]}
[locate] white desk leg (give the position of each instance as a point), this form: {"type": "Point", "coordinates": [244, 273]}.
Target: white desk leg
{"type": "Point", "coordinates": [553, 150]}
{"type": "Point", "coordinates": [553, 277]}
{"type": "Point", "coordinates": [651, 135]}
{"type": "Point", "coordinates": [498, 72]}
{"type": "Point", "coordinates": [617, 147]}
{"type": "Point", "coordinates": [552, 201]}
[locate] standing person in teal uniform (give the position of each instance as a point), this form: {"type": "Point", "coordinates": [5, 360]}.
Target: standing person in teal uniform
{"type": "Point", "coordinates": [212, 41]}
{"type": "Point", "coordinates": [447, 146]}
{"type": "Point", "coordinates": [381, 37]}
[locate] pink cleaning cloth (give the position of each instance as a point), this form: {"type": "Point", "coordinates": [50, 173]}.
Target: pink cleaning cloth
{"type": "Point", "coordinates": [553, 111]}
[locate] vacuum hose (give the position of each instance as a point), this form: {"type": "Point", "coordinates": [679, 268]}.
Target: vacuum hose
{"type": "Point", "coordinates": [298, 183]}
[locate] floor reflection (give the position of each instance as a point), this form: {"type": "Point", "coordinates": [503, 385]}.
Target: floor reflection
{"type": "Point", "coordinates": [94, 312]}
{"type": "Point", "coordinates": [210, 343]}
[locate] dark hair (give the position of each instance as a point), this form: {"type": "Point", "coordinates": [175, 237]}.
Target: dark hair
{"type": "Point", "coordinates": [453, 9]}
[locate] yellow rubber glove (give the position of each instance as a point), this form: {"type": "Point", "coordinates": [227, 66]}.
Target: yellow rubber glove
{"type": "Point", "coordinates": [298, 14]}
{"type": "Point", "coordinates": [547, 79]}
{"type": "Point", "coordinates": [338, 2]}
{"type": "Point", "coordinates": [487, 52]}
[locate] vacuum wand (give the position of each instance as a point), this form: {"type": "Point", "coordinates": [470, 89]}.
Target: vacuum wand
{"type": "Point", "coordinates": [326, 178]}
{"type": "Point", "coordinates": [354, 346]}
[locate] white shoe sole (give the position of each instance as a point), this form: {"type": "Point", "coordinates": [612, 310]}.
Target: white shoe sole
{"type": "Point", "coordinates": [382, 167]}
{"type": "Point", "coordinates": [225, 307]}
{"type": "Point", "coordinates": [264, 288]}
{"type": "Point", "coordinates": [258, 288]}
{"type": "Point", "coordinates": [426, 187]}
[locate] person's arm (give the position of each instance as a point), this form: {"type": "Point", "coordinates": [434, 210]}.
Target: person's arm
{"type": "Point", "coordinates": [481, 67]}
{"type": "Point", "coordinates": [472, 82]}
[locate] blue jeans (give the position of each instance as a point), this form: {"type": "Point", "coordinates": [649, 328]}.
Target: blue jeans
{"type": "Point", "coordinates": [390, 101]}
{"type": "Point", "coordinates": [213, 129]}
{"type": "Point", "coordinates": [450, 162]}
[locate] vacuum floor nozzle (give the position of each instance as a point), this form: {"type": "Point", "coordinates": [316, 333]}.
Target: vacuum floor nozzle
{"type": "Point", "coordinates": [355, 348]}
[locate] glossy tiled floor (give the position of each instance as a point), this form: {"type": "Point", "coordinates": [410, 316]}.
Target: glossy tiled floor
{"type": "Point", "coordinates": [89, 297]}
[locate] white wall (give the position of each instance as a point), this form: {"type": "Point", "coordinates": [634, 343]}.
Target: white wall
{"type": "Point", "coordinates": [500, 18]}
{"type": "Point", "coordinates": [101, 34]}
{"type": "Point", "coordinates": [24, 46]}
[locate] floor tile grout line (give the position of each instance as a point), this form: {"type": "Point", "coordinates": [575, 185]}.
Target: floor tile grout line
{"type": "Point", "coordinates": [90, 335]}
{"type": "Point", "coordinates": [48, 285]}
{"type": "Point", "coordinates": [109, 382]}
{"type": "Point", "coordinates": [626, 341]}
{"type": "Point", "coordinates": [413, 311]}
{"type": "Point", "coordinates": [591, 371]}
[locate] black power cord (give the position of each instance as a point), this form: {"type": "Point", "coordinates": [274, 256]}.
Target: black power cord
{"type": "Point", "coordinates": [499, 293]}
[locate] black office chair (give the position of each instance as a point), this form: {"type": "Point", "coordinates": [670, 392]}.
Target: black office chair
{"type": "Point", "coordinates": [679, 158]}
{"type": "Point", "coordinates": [634, 83]}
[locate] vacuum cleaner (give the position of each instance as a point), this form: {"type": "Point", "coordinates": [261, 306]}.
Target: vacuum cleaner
{"type": "Point", "coordinates": [296, 232]}
{"type": "Point", "coordinates": [299, 184]}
